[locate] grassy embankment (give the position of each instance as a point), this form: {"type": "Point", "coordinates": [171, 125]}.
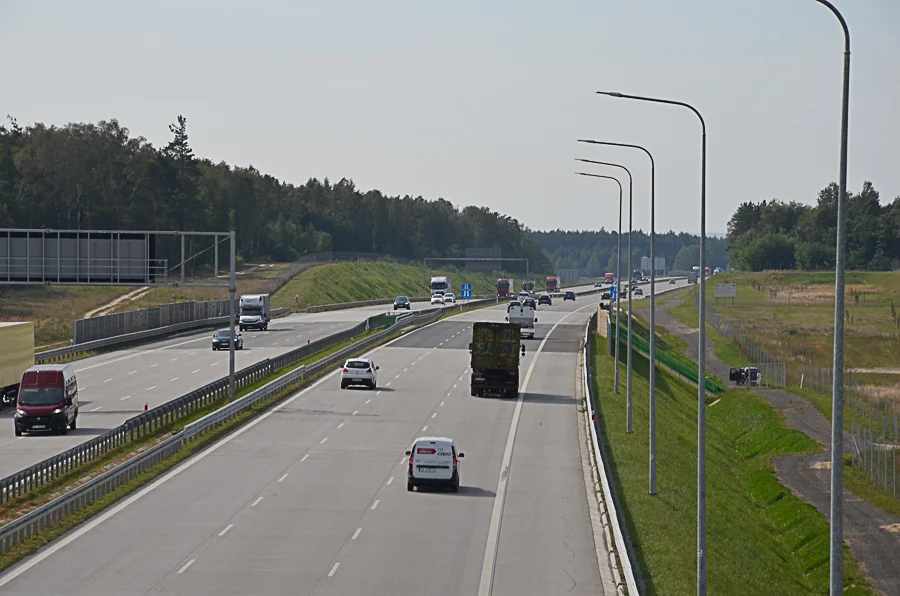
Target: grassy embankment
{"type": "Point", "coordinates": [349, 282]}
{"type": "Point", "coordinates": [855, 480]}
{"type": "Point", "coordinates": [761, 539]}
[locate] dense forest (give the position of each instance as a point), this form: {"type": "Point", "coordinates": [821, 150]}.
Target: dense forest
{"type": "Point", "coordinates": [100, 176]}
{"type": "Point", "coordinates": [594, 253]}
{"type": "Point", "coordinates": [777, 235]}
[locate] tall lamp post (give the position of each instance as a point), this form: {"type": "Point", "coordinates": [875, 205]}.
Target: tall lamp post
{"type": "Point", "coordinates": [618, 268]}
{"type": "Point", "coordinates": [701, 365]}
{"type": "Point", "coordinates": [652, 462]}
{"type": "Point", "coordinates": [836, 583]}
{"type": "Point", "coordinates": [628, 383]}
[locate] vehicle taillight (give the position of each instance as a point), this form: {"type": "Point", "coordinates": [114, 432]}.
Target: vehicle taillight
{"type": "Point", "coordinates": [346, 370]}
{"type": "Point", "coordinates": [410, 463]}
{"type": "Point", "coordinates": [369, 370]}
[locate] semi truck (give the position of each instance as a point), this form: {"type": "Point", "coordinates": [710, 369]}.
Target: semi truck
{"type": "Point", "coordinates": [496, 349]}
{"type": "Point", "coordinates": [552, 283]}
{"type": "Point", "coordinates": [610, 278]}
{"type": "Point", "coordinates": [504, 287]}
{"type": "Point", "coordinates": [16, 356]}
{"type": "Point", "coordinates": [528, 286]}
{"type": "Point", "coordinates": [440, 285]}
{"type": "Point", "coordinates": [523, 316]}
{"type": "Point", "coordinates": [255, 312]}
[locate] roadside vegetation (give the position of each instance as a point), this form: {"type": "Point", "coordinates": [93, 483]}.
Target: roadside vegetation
{"type": "Point", "coordinates": [761, 538]}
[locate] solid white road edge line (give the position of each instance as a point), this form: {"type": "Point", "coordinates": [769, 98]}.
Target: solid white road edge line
{"type": "Point", "coordinates": [493, 540]}
{"type": "Point", "coordinates": [83, 529]}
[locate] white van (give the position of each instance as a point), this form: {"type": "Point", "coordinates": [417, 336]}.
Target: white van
{"type": "Point", "coordinates": [523, 316]}
{"type": "Point", "coordinates": [433, 462]}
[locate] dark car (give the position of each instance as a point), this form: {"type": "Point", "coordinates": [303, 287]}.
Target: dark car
{"type": "Point", "coordinates": [638, 292]}
{"type": "Point", "coordinates": [570, 295]}
{"type": "Point", "coordinates": [605, 296]}
{"type": "Point", "coordinates": [598, 284]}
{"type": "Point", "coordinates": [529, 302]}
{"type": "Point", "coordinates": [545, 299]}
{"type": "Point", "coordinates": [402, 302]}
{"type": "Point", "coordinates": [222, 340]}
{"type": "Point", "coordinates": [671, 282]}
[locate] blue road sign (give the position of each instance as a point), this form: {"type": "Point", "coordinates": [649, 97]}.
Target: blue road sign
{"type": "Point", "coordinates": [612, 293]}
{"type": "Point", "coordinates": [467, 291]}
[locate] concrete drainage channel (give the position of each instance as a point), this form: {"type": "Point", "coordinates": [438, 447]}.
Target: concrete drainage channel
{"type": "Point", "coordinates": [49, 514]}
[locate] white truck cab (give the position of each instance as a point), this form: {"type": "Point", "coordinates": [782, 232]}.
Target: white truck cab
{"type": "Point", "coordinates": [433, 461]}
{"type": "Point", "coordinates": [523, 316]}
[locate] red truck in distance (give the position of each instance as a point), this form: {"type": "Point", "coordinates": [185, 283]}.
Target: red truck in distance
{"type": "Point", "coordinates": [610, 278]}
{"type": "Point", "coordinates": [504, 287]}
{"type": "Point", "coordinates": [552, 283]}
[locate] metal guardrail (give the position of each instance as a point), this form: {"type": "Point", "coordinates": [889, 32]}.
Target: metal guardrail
{"type": "Point", "coordinates": [131, 338]}
{"type": "Point", "coordinates": [43, 517]}
{"type": "Point", "coordinates": [609, 496]}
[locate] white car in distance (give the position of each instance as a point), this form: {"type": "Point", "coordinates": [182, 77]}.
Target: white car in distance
{"type": "Point", "coordinates": [437, 299]}
{"type": "Point", "coordinates": [359, 371]}
{"type": "Point", "coordinates": [449, 297]}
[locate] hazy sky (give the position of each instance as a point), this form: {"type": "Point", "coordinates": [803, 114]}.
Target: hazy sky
{"type": "Point", "coordinates": [482, 102]}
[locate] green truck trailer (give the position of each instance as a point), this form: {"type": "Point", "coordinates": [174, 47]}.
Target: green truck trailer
{"type": "Point", "coordinates": [496, 350]}
{"type": "Point", "coordinates": [16, 356]}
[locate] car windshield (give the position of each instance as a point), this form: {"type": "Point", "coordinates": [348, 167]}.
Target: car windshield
{"type": "Point", "coordinates": [40, 396]}
{"type": "Point", "coordinates": [226, 333]}
{"type": "Point", "coordinates": [357, 364]}
{"type": "Point", "coordinates": [402, 299]}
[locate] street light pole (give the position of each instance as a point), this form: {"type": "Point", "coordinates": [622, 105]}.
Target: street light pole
{"type": "Point", "coordinates": [628, 384]}
{"type": "Point", "coordinates": [701, 364]}
{"type": "Point", "coordinates": [618, 269]}
{"type": "Point", "coordinates": [836, 583]}
{"type": "Point", "coordinates": [232, 290]}
{"type": "Point", "coordinates": [652, 433]}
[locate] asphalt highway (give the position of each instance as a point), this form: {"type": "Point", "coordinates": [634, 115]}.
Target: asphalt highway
{"type": "Point", "coordinates": [115, 386]}
{"type": "Point", "coordinates": [310, 498]}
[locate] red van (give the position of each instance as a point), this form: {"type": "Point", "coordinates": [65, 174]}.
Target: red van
{"type": "Point", "coordinates": [48, 399]}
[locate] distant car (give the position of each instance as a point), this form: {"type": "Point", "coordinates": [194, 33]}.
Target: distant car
{"type": "Point", "coordinates": [359, 371]}
{"type": "Point", "coordinates": [529, 302]}
{"type": "Point", "coordinates": [402, 302]}
{"type": "Point", "coordinates": [598, 284]}
{"type": "Point", "coordinates": [437, 299]}
{"type": "Point", "coordinates": [672, 282]}
{"type": "Point", "coordinates": [433, 461]}
{"type": "Point", "coordinates": [545, 299]}
{"type": "Point", "coordinates": [222, 340]}
{"type": "Point", "coordinates": [513, 304]}
{"type": "Point", "coordinates": [570, 295]}
{"type": "Point", "coordinates": [449, 297]}
{"type": "Point", "coordinates": [524, 296]}
{"type": "Point", "coordinates": [605, 296]}
{"type": "Point", "coordinates": [638, 292]}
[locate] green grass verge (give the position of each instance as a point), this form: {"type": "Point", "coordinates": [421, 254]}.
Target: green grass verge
{"type": "Point", "coordinates": [761, 539]}
{"type": "Point", "coordinates": [350, 282]}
